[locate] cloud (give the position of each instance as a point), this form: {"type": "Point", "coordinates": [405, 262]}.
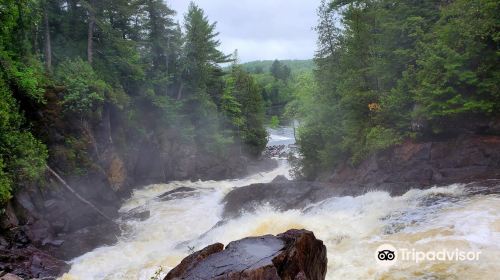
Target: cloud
{"type": "Point", "coordinates": [261, 29]}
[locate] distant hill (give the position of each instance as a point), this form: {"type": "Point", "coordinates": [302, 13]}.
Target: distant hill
{"type": "Point", "coordinates": [297, 66]}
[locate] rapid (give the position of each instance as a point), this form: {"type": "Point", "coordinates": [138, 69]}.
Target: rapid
{"type": "Point", "coordinates": [440, 218]}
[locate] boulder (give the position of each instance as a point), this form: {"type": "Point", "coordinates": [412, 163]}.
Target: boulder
{"type": "Point", "coordinates": [177, 193]}
{"type": "Point", "coordinates": [295, 254]}
{"type": "Point", "coordinates": [138, 213]}
{"type": "Point", "coordinates": [281, 193]}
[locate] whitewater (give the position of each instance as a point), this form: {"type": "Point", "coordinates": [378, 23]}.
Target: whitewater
{"type": "Point", "coordinates": [445, 218]}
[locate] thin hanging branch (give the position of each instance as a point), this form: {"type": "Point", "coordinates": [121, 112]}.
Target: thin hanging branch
{"type": "Point", "coordinates": [77, 195]}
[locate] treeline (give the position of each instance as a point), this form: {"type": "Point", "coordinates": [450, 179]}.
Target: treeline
{"type": "Point", "coordinates": [124, 68]}
{"type": "Point", "coordinates": [392, 70]}
{"type": "Point", "coordinates": [296, 66]}
{"type": "Point", "coordinates": [276, 80]}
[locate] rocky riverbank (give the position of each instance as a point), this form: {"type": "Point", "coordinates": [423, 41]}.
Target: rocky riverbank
{"type": "Point", "coordinates": [42, 227]}
{"type": "Point", "coordinates": [397, 170]}
{"type": "Point", "coordinates": [423, 164]}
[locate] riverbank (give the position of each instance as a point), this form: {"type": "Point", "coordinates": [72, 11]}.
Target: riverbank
{"type": "Point", "coordinates": [351, 226]}
{"type": "Point", "coordinates": [422, 165]}
{"type": "Point", "coordinates": [185, 215]}
{"type": "Point", "coordinates": [44, 227]}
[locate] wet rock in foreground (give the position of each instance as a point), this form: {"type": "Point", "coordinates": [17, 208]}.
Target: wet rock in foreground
{"type": "Point", "coordinates": [295, 254]}
{"type": "Point", "coordinates": [30, 262]}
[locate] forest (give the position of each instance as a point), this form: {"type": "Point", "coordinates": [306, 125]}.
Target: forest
{"type": "Point", "coordinates": [384, 72]}
{"type": "Point", "coordinates": [124, 68]}
{"type": "Point", "coordinates": [134, 143]}
{"type": "Point", "coordinates": [388, 71]}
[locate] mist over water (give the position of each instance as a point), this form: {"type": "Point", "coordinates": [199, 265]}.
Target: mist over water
{"type": "Point", "coordinates": [351, 227]}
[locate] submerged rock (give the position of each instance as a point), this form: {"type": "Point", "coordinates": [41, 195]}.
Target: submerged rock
{"type": "Point", "coordinates": [177, 193]}
{"type": "Point", "coordinates": [295, 254]}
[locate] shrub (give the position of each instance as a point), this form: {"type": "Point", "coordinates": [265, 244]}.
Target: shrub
{"type": "Point", "coordinates": [84, 91]}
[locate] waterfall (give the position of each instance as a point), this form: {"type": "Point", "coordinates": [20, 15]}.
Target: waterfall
{"type": "Point", "coordinates": [446, 218]}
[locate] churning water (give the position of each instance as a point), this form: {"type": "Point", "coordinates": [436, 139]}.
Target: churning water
{"type": "Point", "coordinates": [442, 218]}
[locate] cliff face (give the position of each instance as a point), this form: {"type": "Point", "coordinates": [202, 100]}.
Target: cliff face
{"type": "Point", "coordinates": [417, 165]}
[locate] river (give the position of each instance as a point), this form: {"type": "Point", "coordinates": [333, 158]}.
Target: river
{"type": "Point", "coordinates": [446, 218]}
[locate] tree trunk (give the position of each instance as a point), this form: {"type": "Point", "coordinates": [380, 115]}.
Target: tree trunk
{"type": "Point", "coordinates": [90, 37]}
{"type": "Point", "coordinates": [77, 195]}
{"type": "Point", "coordinates": [179, 93]}
{"type": "Point", "coordinates": [107, 124]}
{"type": "Point", "coordinates": [48, 46]}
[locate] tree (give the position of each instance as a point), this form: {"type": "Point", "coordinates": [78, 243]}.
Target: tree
{"type": "Point", "coordinates": [48, 44]}
{"type": "Point", "coordinates": [367, 79]}
{"type": "Point", "coordinates": [248, 108]}
{"type": "Point", "coordinates": [85, 92]}
{"type": "Point", "coordinates": [458, 66]}
{"type": "Point", "coordinates": [123, 73]}
{"type": "Point", "coordinates": [90, 37]}
{"type": "Point", "coordinates": [22, 156]}
{"type": "Point", "coordinates": [201, 56]}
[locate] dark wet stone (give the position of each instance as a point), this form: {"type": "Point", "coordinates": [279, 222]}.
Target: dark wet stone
{"type": "Point", "coordinates": [9, 276]}
{"type": "Point", "coordinates": [192, 260]}
{"type": "Point", "coordinates": [281, 194]}
{"type": "Point", "coordinates": [423, 165]}
{"type": "Point", "coordinates": [176, 193]}
{"type": "Point", "coordinates": [137, 213]}
{"type": "Point", "coordinates": [485, 187]}
{"type": "Point", "coordinates": [295, 254]}
{"type": "Point", "coordinates": [84, 240]}
{"type": "Point", "coordinates": [280, 179]}
{"type": "Point", "coordinates": [30, 262]}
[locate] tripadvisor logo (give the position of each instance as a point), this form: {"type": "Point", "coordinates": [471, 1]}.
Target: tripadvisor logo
{"type": "Point", "coordinates": [387, 255]}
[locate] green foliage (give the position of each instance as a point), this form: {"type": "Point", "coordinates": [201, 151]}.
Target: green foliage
{"type": "Point", "coordinates": [157, 275]}
{"type": "Point", "coordinates": [262, 66]}
{"type": "Point", "coordinates": [245, 107]}
{"type": "Point", "coordinates": [280, 71]}
{"type": "Point", "coordinates": [458, 68]}
{"type": "Point", "coordinates": [5, 185]}
{"type": "Point", "coordinates": [26, 78]}
{"type": "Point", "coordinates": [275, 92]}
{"type": "Point", "coordinates": [274, 122]}
{"type": "Point", "coordinates": [201, 56]}
{"type": "Point", "coordinates": [388, 70]}
{"type": "Point", "coordinates": [378, 138]}
{"type": "Point", "coordinates": [301, 104]}
{"type": "Point", "coordinates": [22, 157]}
{"type": "Point", "coordinates": [137, 77]}
{"type": "Point", "coordinates": [230, 106]}
{"type": "Point", "coordinates": [84, 90]}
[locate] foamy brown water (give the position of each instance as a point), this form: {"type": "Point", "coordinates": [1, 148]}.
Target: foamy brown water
{"type": "Point", "coordinates": [351, 228]}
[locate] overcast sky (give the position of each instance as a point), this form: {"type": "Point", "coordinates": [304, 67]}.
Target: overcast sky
{"type": "Point", "coordinates": [261, 29]}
